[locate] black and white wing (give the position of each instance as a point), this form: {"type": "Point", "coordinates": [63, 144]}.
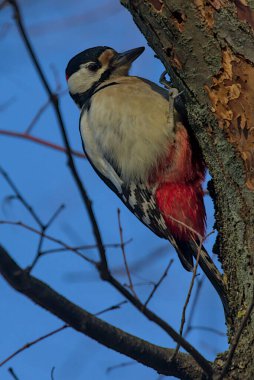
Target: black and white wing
{"type": "Point", "coordinates": [137, 197]}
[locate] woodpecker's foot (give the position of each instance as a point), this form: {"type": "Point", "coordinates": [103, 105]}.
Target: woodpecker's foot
{"type": "Point", "coordinates": [163, 80]}
{"type": "Point", "coordinates": [173, 92]}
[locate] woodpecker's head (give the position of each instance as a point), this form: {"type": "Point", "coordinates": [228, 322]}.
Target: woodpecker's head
{"type": "Point", "coordinates": [93, 66]}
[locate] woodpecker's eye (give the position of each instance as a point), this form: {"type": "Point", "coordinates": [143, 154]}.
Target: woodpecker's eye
{"type": "Point", "coordinates": [93, 66]}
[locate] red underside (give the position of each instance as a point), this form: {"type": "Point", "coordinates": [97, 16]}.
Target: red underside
{"type": "Point", "coordinates": [182, 203]}
{"type": "Point", "coordinates": [179, 194]}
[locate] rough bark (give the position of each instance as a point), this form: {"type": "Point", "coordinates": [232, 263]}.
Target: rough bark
{"type": "Point", "coordinates": [207, 48]}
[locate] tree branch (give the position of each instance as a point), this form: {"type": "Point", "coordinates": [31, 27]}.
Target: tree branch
{"type": "Point", "coordinates": [40, 141]}
{"type": "Point", "coordinates": [184, 367]}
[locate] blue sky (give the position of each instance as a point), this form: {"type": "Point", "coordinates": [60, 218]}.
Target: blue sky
{"type": "Point", "coordinates": [58, 30]}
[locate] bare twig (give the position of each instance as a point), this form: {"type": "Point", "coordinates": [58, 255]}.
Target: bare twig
{"type": "Point", "coordinates": [43, 108]}
{"type": "Point", "coordinates": [11, 371]}
{"type": "Point", "coordinates": [30, 209]}
{"type": "Point", "coordinates": [199, 283]}
{"type": "Point", "coordinates": [27, 345]}
{"type": "Point", "coordinates": [58, 81]}
{"type": "Point", "coordinates": [189, 291]}
{"type": "Point", "coordinates": [124, 254]}
{"type": "Point", "coordinates": [86, 247]}
{"type": "Point", "coordinates": [209, 329]}
{"type": "Point", "coordinates": [44, 228]}
{"type": "Point", "coordinates": [114, 307]}
{"type": "Point", "coordinates": [120, 365]}
{"type": "Point", "coordinates": [41, 142]}
{"type": "Point", "coordinates": [143, 262]}
{"type": "Point", "coordinates": [52, 373]}
{"type": "Point", "coordinates": [196, 233]}
{"type": "Point", "coordinates": [54, 216]}
{"type": "Point", "coordinates": [187, 300]}
{"type": "Point", "coordinates": [156, 286]}
{"type": "Point", "coordinates": [51, 333]}
{"type": "Point", "coordinates": [51, 238]}
{"type": "Point", "coordinates": [36, 117]}
{"type": "Point", "coordinates": [236, 339]}
{"type": "Point", "coordinates": [20, 197]}
{"type": "Point", "coordinates": [199, 247]}
{"type": "Point", "coordinates": [7, 103]}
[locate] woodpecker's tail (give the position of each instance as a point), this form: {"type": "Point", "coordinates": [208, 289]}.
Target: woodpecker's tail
{"type": "Point", "coordinates": [186, 251]}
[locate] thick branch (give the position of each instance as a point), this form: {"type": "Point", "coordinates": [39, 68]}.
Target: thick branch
{"type": "Point", "coordinates": [153, 356]}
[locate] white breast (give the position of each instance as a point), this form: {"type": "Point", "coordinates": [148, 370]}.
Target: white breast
{"type": "Point", "coordinates": [130, 124]}
{"type": "Point", "coordinates": [96, 155]}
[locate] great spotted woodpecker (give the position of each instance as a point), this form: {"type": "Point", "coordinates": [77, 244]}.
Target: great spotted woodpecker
{"type": "Point", "coordinates": [138, 144]}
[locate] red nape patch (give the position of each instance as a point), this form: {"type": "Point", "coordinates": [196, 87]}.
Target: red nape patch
{"type": "Point", "coordinates": [67, 77]}
{"type": "Point", "coordinates": [184, 203]}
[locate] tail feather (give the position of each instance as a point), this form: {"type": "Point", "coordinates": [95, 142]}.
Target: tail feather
{"type": "Point", "coordinates": [188, 250]}
{"type": "Point", "coordinates": [185, 255]}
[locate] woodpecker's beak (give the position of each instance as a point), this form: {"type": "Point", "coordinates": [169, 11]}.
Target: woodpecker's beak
{"type": "Point", "coordinates": [127, 57]}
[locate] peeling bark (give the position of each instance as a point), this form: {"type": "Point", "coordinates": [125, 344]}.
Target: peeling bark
{"type": "Point", "coordinates": [207, 46]}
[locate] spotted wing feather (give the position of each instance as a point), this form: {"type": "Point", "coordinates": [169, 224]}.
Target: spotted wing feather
{"type": "Point", "coordinates": [139, 199]}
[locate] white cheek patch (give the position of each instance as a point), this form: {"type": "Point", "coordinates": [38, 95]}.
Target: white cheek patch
{"type": "Point", "coordinates": [82, 80]}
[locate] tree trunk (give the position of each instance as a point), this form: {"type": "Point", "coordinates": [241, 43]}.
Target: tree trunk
{"type": "Point", "coordinates": [207, 48]}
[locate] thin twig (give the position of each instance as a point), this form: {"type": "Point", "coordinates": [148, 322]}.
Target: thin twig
{"type": "Point", "coordinates": [41, 240]}
{"type": "Point", "coordinates": [41, 142]}
{"type": "Point", "coordinates": [32, 343]}
{"type": "Point", "coordinates": [199, 283]}
{"type": "Point", "coordinates": [38, 253]}
{"type": "Point", "coordinates": [34, 215]}
{"type": "Point", "coordinates": [11, 371]}
{"type": "Point", "coordinates": [118, 366]}
{"type": "Point", "coordinates": [209, 329]}
{"type": "Point", "coordinates": [58, 81]}
{"type": "Point", "coordinates": [190, 289]}
{"type": "Point", "coordinates": [54, 215]}
{"type": "Point", "coordinates": [187, 300]}
{"type": "Point", "coordinates": [43, 108]}
{"type": "Point", "coordinates": [124, 254]}
{"type": "Point", "coordinates": [51, 333]}
{"type": "Point", "coordinates": [36, 117]}
{"type": "Point", "coordinates": [86, 247]}
{"type": "Point", "coordinates": [236, 340]}
{"type": "Point", "coordinates": [114, 307]}
{"type": "Point", "coordinates": [20, 197]}
{"type": "Point", "coordinates": [196, 233]}
{"type": "Point", "coordinates": [52, 373]}
{"type": "Point", "coordinates": [156, 286]}
{"type": "Point", "coordinates": [9, 102]}
{"type": "Point", "coordinates": [51, 238]}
